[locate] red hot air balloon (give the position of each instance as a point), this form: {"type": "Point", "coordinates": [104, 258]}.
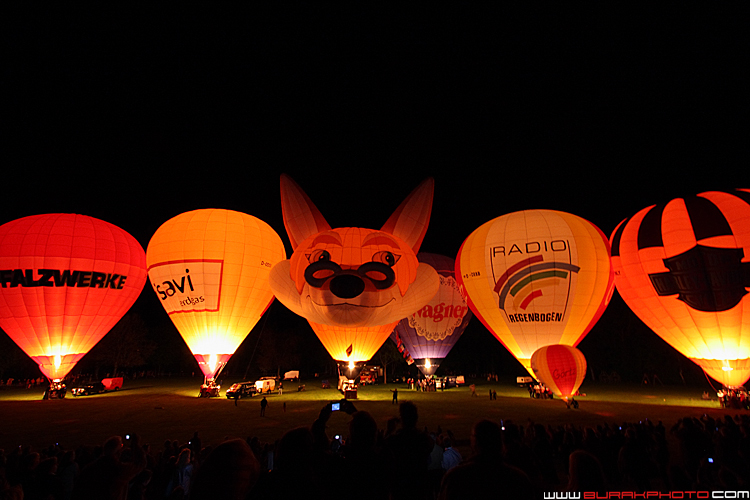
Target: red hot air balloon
{"type": "Point", "coordinates": [65, 280]}
{"type": "Point", "coordinates": [430, 333]}
{"type": "Point", "coordinates": [562, 368]}
{"type": "Point", "coordinates": [684, 269]}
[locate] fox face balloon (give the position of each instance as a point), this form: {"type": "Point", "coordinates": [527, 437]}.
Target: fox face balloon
{"type": "Point", "coordinates": [354, 284]}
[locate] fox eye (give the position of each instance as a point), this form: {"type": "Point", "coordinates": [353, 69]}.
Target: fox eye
{"type": "Point", "coordinates": [386, 257]}
{"type": "Point", "coordinates": [318, 255]}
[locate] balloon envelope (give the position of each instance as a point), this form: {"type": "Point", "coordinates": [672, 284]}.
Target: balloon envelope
{"type": "Point", "coordinates": [354, 284]}
{"type": "Point", "coordinates": [562, 368]}
{"type": "Point", "coordinates": [536, 278]}
{"type": "Point", "coordinates": [430, 333]}
{"type": "Point", "coordinates": [66, 281]}
{"type": "Point", "coordinates": [682, 267]}
{"type": "Point", "coordinates": [209, 269]}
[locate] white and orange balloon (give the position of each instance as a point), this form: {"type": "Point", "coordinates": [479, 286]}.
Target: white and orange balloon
{"type": "Point", "coordinates": [683, 267]}
{"type": "Point", "coordinates": [536, 278]}
{"type": "Point", "coordinates": [66, 280]}
{"type": "Point", "coordinates": [209, 269]}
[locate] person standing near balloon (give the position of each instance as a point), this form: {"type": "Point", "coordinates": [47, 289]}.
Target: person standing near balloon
{"type": "Point", "coordinates": [263, 404]}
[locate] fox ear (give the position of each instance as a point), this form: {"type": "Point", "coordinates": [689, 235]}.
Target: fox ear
{"type": "Point", "coordinates": [409, 221]}
{"type": "Point", "coordinates": [302, 218]}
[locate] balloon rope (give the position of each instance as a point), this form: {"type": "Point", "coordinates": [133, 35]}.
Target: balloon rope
{"type": "Point", "coordinates": [709, 380]}
{"type": "Point", "coordinates": [263, 326]}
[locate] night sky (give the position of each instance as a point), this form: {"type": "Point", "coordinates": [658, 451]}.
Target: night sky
{"type": "Point", "coordinates": [135, 117]}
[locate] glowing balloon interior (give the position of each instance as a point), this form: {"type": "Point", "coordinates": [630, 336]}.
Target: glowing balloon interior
{"type": "Point", "coordinates": [354, 284]}
{"type": "Point", "coordinates": [66, 281]}
{"type": "Point", "coordinates": [562, 368]}
{"type": "Point", "coordinates": [683, 269]}
{"type": "Point", "coordinates": [431, 332]}
{"type": "Point", "coordinates": [209, 269]}
{"type": "Point", "coordinates": [536, 278]}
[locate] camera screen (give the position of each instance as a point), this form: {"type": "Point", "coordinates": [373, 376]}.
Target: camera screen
{"type": "Point", "coordinates": [335, 406]}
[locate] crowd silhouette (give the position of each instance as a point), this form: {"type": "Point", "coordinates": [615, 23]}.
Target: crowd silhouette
{"type": "Point", "coordinates": [403, 460]}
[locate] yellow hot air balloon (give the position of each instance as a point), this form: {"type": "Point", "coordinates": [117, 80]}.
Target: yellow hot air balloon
{"type": "Point", "coordinates": [536, 278]}
{"type": "Point", "coordinates": [682, 267]}
{"type": "Point", "coordinates": [210, 269]}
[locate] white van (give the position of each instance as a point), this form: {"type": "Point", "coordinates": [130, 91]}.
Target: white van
{"type": "Point", "coordinates": [265, 384]}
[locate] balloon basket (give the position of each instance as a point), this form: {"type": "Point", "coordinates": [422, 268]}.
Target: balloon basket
{"type": "Point", "coordinates": [56, 390]}
{"type": "Point", "coordinates": [348, 388]}
{"type": "Point", "coordinates": [209, 389]}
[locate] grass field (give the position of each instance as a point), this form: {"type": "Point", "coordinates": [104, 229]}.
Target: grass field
{"type": "Point", "coordinates": [160, 409]}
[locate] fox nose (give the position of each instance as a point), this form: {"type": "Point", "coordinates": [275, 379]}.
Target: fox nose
{"type": "Point", "coordinates": [347, 286]}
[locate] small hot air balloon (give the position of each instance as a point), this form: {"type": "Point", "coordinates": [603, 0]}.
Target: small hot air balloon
{"type": "Point", "coordinates": [561, 368]}
{"type": "Point", "coordinates": [66, 280]}
{"type": "Point", "coordinates": [209, 269]}
{"type": "Point", "coordinates": [430, 333]}
{"type": "Point", "coordinates": [536, 278]}
{"type": "Point", "coordinates": [684, 268]}
{"type": "Point", "coordinates": [354, 284]}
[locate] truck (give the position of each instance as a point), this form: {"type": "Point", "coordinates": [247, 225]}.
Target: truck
{"type": "Point", "coordinates": [112, 384]}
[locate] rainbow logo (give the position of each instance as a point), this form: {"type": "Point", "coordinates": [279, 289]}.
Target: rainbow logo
{"type": "Point", "coordinates": [517, 280]}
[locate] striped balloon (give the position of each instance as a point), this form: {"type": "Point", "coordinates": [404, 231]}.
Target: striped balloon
{"type": "Point", "coordinates": [562, 368]}
{"type": "Point", "coordinates": [682, 267]}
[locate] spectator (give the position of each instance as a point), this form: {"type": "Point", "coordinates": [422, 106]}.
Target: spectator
{"type": "Point", "coordinates": [585, 472]}
{"type": "Point", "coordinates": [229, 472]}
{"type": "Point", "coordinates": [451, 456]}
{"type": "Point", "coordinates": [300, 471]}
{"type": "Point", "coordinates": [411, 449]}
{"type": "Point", "coordinates": [108, 476]}
{"type": "Point", "coordinates": [366, 463]}
{"type": "Point", "coordinates": [182, 473]}
{"type": "Point", "coordinates": [486, 475]}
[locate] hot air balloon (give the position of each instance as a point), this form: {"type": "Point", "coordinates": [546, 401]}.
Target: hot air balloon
{"type": "Point", "coordinates": [431, 332]}
{"type": "Point", "coordinates": [354, 284]}
{"type": "Point", "coordinates": [536, 278]}
{"type": "Point", "coordinates": [682, 267]}
{"type": "Point", "coordinates": [66, 280]}
{"type": "Point", "coordinates": [209, 269]}
{"type": "Point", "coordinates": [561, 368]}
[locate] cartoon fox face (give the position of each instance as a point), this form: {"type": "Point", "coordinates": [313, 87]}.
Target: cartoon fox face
{"type": "Point", "coordinates": [354, 277]}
